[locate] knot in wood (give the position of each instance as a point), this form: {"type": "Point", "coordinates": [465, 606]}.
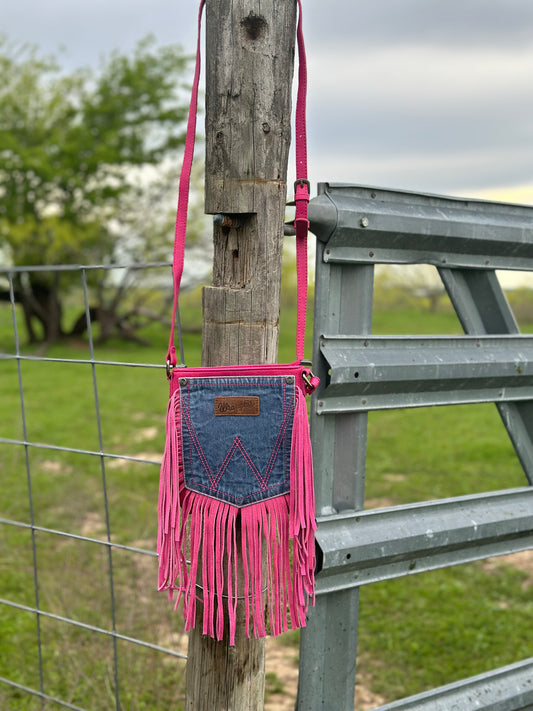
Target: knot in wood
{"type": "Point", "coordinates": [254, 26]}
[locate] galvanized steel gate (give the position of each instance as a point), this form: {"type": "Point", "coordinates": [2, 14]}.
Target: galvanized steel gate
{"type": "Point", "coordinates": [358, 227]}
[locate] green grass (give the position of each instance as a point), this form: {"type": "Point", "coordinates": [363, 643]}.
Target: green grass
{"type": "Point", "coordinates": [422, 454]}
{"type": "Point", "coordinates": [415, 633]}
{"type": "Point", "coordinates": [427, 630]}
{"type": "Point", "coordinates": [68, 494]}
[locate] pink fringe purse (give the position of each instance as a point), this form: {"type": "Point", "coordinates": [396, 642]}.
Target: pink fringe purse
{"type": "Point", "coordinates": [236, 499]}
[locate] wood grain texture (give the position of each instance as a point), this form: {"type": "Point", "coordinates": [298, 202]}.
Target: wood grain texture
{"type": "Point", "coordinates": [249, 69]}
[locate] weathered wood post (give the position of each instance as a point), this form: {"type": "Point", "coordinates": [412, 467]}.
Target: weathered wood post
{"type": "Point", "coordinates": [249, 68]}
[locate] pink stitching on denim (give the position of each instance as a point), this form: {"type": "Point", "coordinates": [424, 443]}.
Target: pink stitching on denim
{"type": "Point", "coordinates": [277, 444]}
{"type": "Point", "coordinates": [240, 498]}
{"type": "Point", "coordinates": [225, 463]}
{"type": "Point", "coordinates": [227, 458]}
{"type": "Point", "coordinates": [251, 464]}
{"type": "Point", "coordinates": [197, 445]}
{"type": "Point", "coordinates": [190, 448]}
{"type": "Point", "coordinates": [237, 443]}
{"type": "Point", "coordinates": [270, 382]}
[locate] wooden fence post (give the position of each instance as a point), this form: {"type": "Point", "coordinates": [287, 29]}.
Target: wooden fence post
{"type": "Point", "coordinates": [249, 67]}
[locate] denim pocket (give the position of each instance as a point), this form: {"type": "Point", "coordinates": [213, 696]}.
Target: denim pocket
{"type": "Point", "coordinates": [236, 436]}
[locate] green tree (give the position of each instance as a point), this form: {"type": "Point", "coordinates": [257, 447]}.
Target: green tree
{"type": "Point", "coordinates": [69, 145]}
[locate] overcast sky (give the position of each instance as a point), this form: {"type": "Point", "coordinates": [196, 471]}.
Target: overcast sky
{"type": "Point", "coordinates": [417, 94]}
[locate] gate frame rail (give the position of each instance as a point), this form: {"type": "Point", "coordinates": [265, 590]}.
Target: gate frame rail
{"type": "Point", "coordinates": [358, 227]}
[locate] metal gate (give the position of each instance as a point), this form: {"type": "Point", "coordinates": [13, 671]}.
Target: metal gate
{"type": "Point", "coordinates": [467, 240]}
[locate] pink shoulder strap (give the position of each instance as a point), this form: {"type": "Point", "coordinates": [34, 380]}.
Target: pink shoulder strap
{"type": "Point", "coordinates": [301, 189]}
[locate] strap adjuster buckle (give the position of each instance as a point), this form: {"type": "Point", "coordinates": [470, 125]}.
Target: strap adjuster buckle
{"type": "Point", "coordinates": [302, 183]}
{"type": "Point", "coordinates": [310, 380]}
{"type": "Point", "coordinates": [170, 367]}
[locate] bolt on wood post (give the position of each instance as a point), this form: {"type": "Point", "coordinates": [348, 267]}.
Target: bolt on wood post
{"type": "Point", "coordinates": [249, 69]}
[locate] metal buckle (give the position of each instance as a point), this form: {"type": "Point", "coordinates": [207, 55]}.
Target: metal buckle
{"type": "Point", "coordinates": [307, 380]}
{"type": "Point", "coordinates": [169, 368]}
{"type": "Point", "coordinates": [302, 182]}
{"type": "Point", "coordinates": [308, 377]}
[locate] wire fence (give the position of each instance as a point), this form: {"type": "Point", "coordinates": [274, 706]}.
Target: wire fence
{"type": "Point", "coordinates": [83, 626]}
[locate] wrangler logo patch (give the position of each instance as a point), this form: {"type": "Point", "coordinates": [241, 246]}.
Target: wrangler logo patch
{"type": "Point", "coordinates": [237, 406]}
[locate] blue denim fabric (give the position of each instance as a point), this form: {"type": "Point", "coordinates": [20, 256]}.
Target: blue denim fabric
{"type": "Point", "coordinates": [237, 459]}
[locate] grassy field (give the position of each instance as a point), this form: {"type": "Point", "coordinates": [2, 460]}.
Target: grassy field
{"type": "Point", "coordinates": [414, 633]}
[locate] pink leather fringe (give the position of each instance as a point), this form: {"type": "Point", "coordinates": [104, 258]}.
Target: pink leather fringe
{"type": "Point", "coordinates": [270, 545]}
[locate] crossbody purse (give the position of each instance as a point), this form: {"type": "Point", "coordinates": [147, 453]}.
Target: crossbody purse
{"type": "Point", "coordinates": [236, 501]}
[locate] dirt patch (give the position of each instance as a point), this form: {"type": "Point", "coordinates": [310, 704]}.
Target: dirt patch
{"type": "Point", "coordinates": [177, 641]}
{"type": "Point", "coordinates": [523, 561]}
{"type": "Point", "coordinates": [146, 433]}
{"type": "Point", "coordinates": [281, 667]}
{"type": "Point", "coordinates": [394, 477]}
{"type": "Point", "coordinates": [118, 463]}
{"type": "Point", "coordinates": [364, 698]}
{"type": "Point", "coordinates": [382, 502]}
{"type": "Point", "coordinates": [54, 467]}
{"type": "Point", "coordinates": [93, 525]}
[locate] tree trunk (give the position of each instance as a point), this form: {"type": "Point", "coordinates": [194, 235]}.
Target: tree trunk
{"type": "Point", "coordinates": [41, 302]}
{"type": "Point", "coordinates": [250, 56]}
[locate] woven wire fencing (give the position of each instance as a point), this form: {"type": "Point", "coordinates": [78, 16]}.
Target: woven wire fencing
{"type": "Point", "coordinates": [82, 625]}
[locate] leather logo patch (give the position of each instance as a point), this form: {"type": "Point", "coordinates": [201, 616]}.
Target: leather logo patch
{"type": "Point", "coordinates": [237, 406]}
